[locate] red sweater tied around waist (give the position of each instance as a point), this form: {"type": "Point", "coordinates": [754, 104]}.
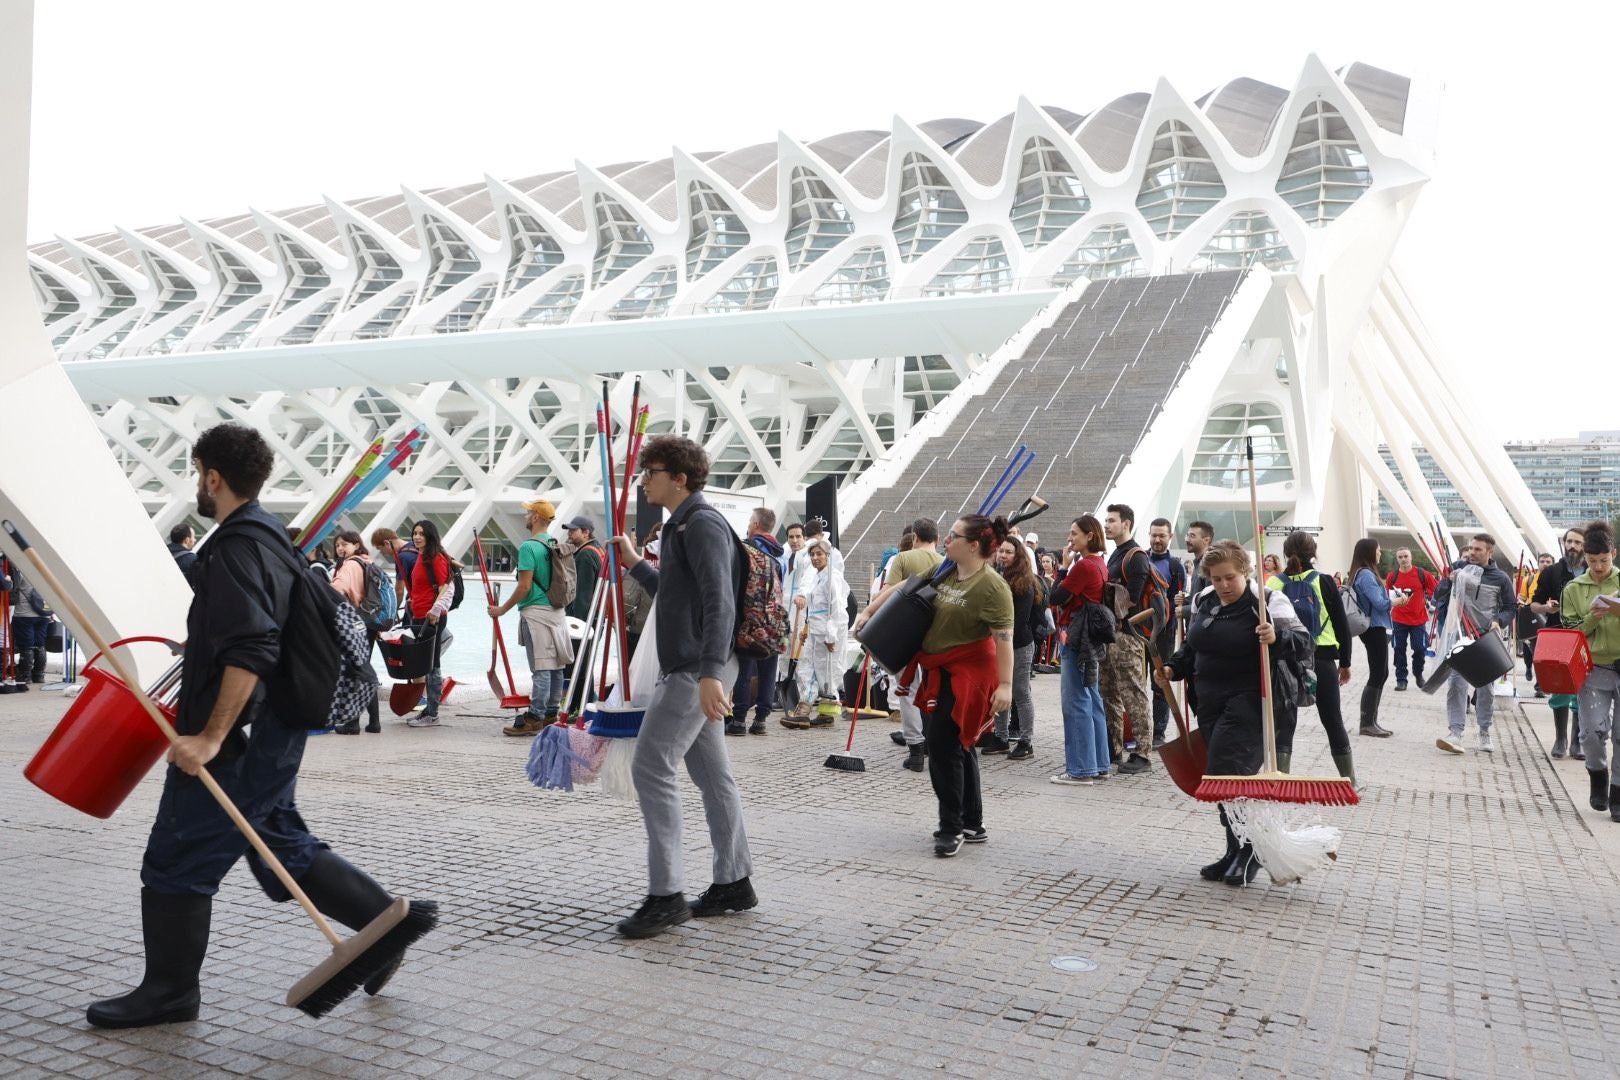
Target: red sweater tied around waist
{"type": "Point", "coordinates": [973, 680]}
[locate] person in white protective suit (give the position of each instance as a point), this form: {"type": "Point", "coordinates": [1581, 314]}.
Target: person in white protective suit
{"type": "Point", "coordinates": [826, 596]}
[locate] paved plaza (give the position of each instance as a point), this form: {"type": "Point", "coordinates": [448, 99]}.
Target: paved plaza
{"type": "Point", "coordinates": [1467, 930]}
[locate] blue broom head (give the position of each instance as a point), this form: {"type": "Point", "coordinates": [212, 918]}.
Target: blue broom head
{"type": "Point", "coordinates": [613, 721]}
{"type": "Point", "coordinates": [552, 760]}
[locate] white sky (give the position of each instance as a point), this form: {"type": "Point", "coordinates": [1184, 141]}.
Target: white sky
{"type": "Point", "coordinates": [143, 112]}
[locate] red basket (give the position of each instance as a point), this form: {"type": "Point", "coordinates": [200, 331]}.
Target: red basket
{"type": "Point", "coordinates": [102, 748]}
{"type": "Point", "coordinates": [1563, 661]}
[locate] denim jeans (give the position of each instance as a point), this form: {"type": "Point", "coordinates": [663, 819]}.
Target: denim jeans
{"type": "Point", "coordinates": [1418, 637]}
{"type": "Point", "coordinates": [546, 691]}
{"type": "Point", "coordinates": [1085, 723]}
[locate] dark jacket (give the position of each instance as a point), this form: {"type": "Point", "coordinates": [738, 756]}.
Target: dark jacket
{"type": "Point", "coordinates": [1494, 601]}
{"type": "Point", "coordinates": [696, 580]}
{"type": "Point", "coordinates": [184, 558]}
{"type": "Point", "coordinates": [587, 571]}
{"type": "Point", "coordinates": [241, 603]}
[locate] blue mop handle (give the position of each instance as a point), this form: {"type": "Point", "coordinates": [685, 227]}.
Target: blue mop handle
{"type": "Point", "coordinates": [602, 422]}
{"type": "Point", "coordinates": [1002, 490]}
{"type": "Point", "coordinates": [990, 497]}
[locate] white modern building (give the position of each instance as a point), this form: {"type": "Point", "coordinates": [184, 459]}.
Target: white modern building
{"type": "Point", "coordinates": [814, 309]}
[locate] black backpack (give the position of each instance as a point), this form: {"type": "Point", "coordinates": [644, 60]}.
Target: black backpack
{"type": "Point", "coordinates": [460, 589]}
{"type": "Point", "coordinates": [306, 677]}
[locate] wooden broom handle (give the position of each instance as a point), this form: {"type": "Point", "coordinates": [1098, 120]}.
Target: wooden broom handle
{"type": "Point", "coordinates": [1269, 723]}
{"type": "Point", "coordinates": [173, 736]}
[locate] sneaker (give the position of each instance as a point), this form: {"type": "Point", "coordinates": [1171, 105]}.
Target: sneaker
{"type": "Point", "coordinates": [423, 719]}
{"type": "Point", "coordinates": [1400, 684]}
{"type": "Point", "coordinates": [1136, 763]}
{"type": "Point", "coordinates": [1419, 680]}
{"type": "Point", "coordinates": [736, 727]}
{"type": "Point", "coordinates": [1486, 746]}
{"type": "Point", "coordinates": [530, 725]}
{"type": "Point", "coordinates": [1066, 780]}
{"type": "Point", "coordinates": [897, 737]}
{"type": "Point", "coordinates": [757, 728]}
{"type": "Point", "coordinates": [1020, 751]}
{"type": "Point", "coordinates": [975, 836]}
{"type": "Point", "coordinates": [819, 719]}
{"type": "Point", "coordinates": [655, 915]}
{"type": "Point", "coordinates": [1449, 745]}
{"type": "Point", "coordinates": [993, 744]}
{"type": "Point", "coordinates": [947, 845]}
{"type": "Point", "coordinates": [797, 723]}
{"type": "Point", "coordinates": [720, 899]}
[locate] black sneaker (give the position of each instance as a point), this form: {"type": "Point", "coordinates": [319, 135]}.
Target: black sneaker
{"type": "Point", "coordinates": [757, 728]}
{"type": "Point", "coordinates": [736, 727]}
{"type": "Point", "coordinates": [1021, 750]}
{"type": "Point", "coordinates": [947, 845]}
{"type": "Point", "coordinates": [655, 915]}
{"type": "Point", "coordinates": [975, 836]}
{"type": "Point", "coordinates": [1136, 763]}
{"type": "Point", "coordinates": [1400, 684]}
{"type": "Point", "coordinates": [993, 744]}
{"type": "Point", "coordinates": [897, 737]}
{"type": "Point", "coordinates": [720, 899]}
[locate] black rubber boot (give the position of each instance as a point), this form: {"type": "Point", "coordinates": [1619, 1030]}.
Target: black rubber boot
{"type": "Point", "coordinates": [39, 666]}
{"type": "Point", "coordinates": [1243, 868]}
{"type": "Point", "coordinates": [916, 758]}
{"type": "Point", "coordinates": [1346, 765]}
{"type": "Point", "coordinates": [175, 930]}
{"type": "Point", "coordinates": [1600, 788]}
{"type": "Point", "coordinates": [1285, 758]}
{"type": "Point", "coordinates": [344, 892]}
{"type": "Point", "coordinates": [1614, 803]}
{"type": "Point", "coordinates": [1216, 870]}
{"type": "Point", "coordinates": [1560, 732]}
{"type": "Point", "coordinates": [1370, 698]}
{"type": "Point", "coordinates": [373, 716]}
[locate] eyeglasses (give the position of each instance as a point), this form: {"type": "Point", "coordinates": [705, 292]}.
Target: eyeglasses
{"type": "Point", "coordinates": [650, 469]}
{"type": "Point", "coordinates": [954, 536]}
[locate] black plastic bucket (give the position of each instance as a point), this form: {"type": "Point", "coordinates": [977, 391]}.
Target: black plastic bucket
{"type": "Point", "coordinates": [894, 636]}
{"type": "Point", "coordinates": [1482, 661]}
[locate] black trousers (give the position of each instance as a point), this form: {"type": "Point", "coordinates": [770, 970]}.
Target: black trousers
{"type": "Point", "coordinates": [1328, 706]}
{"type": "Point", "coordinates": [1376, 640]}
{"type": "Point", "coordinates": [953, 770]}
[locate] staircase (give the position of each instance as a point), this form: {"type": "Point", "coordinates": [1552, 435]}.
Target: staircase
{"type": "Point", "coordinates": [1082, 396]}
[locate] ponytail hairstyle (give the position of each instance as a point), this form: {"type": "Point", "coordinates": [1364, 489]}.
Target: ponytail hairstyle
{"type": "Point", "coordinates": [980, 530]}
{"type": "Point", "coordinates": [1300, 551]}
{"type": "Point", "coordinates": [1363, 557]}
{"type": "Point", "coordinates": [1093, 531]}
{"type": "Point", "coordinates": [1599, 538]}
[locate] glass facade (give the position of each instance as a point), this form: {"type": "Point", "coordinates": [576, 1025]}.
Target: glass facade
{"type": "Point", "coordinates": [534, 250]}
{"type": "Point", "coordinates": [929, 209]}
{"type": "Point", "coordinates": [717, 232]}
{"type": "Point", "coordinates": [1049, 197]}
{"type": "Point", "coordinates": [1181, 183]}
{"type": "Point", "coordinates": [651, 295]}
{"type": "Point", "coordinates": [980, 267]}
{"type": "Point", "coordinates": [1325, 170]}
{"type": "Point", "coordinates": [1107, 252]}
{"type": "Point", "coordinates": [376, 271]}
{"type": "Point", "coordinates": [1249, 237]}
{"type": "Point", "coordinates": [864, 276]}
{"type": "Point", "coordinates": [621, 242]}
{"type": "Point", "coordinates": [557, 305]}
{"type": "Point", "coordinates": [1219, 460]}
{"type": "Point", "coordinates": [451, 259]}
{"type": "Point", "coordinates": [817, 220]}
{"type": "Point", "coordinates": [175, 290]}
{"type": "Point", "coordinates": [56, 300]}
{"type": "Point", "coordinates": [304, 273]}
{"type": "Point", "coordinates": [753, 289]}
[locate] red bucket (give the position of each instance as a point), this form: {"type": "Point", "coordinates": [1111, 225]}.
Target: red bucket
{"type": "Point", "coordinates": [102, 748]}
{"type": "Point", "coordinates": [1563, 660]}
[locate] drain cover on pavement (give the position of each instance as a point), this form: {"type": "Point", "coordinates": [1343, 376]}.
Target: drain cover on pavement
{"type": "Point", "coordinates": [1073, 963]}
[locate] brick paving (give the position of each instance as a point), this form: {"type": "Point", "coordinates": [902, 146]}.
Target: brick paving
{"type": "Point", "coordinates": [1465, 932]}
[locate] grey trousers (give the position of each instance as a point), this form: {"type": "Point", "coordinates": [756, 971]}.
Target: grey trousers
{"type": "Point", "coordinates": [1600, 715]}
{"type": "Point", "coordinates": [1457, 691]}
{"type": "Point", "coordinates": [911, 720]}
{"type": "Point", "coordinates": [1023, 702]}
{"type": "Point", "coordinates": [674, 729]}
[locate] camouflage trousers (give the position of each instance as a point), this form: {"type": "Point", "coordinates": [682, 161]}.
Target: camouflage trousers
{"type": "Point", "coordinates": [1124, 683]}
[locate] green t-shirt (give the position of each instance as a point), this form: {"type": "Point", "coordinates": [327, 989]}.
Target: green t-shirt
{"type": "Point", "coordinates": [911, 563]}
{"type": "Point", "coordinates": [966, 611]}
{"type": "Point", "coordinates": [535, 556]}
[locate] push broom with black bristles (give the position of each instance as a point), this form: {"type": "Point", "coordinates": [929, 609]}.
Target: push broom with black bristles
{"type": "Point", "coordinates": [1272, 785]}
{"type": "Point", "coordinates": [371, 952]}
{"type": "Point", "coordinates": [847, 760]}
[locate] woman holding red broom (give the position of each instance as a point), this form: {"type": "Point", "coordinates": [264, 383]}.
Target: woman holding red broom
{"type": "Point", "coordinates": [1221, 657]}
{"type": "Point", "coordinates": [967, 665]}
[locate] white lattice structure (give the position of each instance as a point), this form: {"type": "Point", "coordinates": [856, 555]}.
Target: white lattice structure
{"type": "Point", "coordinates": [800, 308]}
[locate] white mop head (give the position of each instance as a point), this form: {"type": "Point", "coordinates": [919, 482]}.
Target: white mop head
{"type": "Point", "coordinates": [615, 776]}
{"type": "Point", "coordinates": [1290, 840]}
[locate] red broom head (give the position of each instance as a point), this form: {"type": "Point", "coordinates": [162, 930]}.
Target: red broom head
{"type": "Point", "coordinates": [1305, 790]}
